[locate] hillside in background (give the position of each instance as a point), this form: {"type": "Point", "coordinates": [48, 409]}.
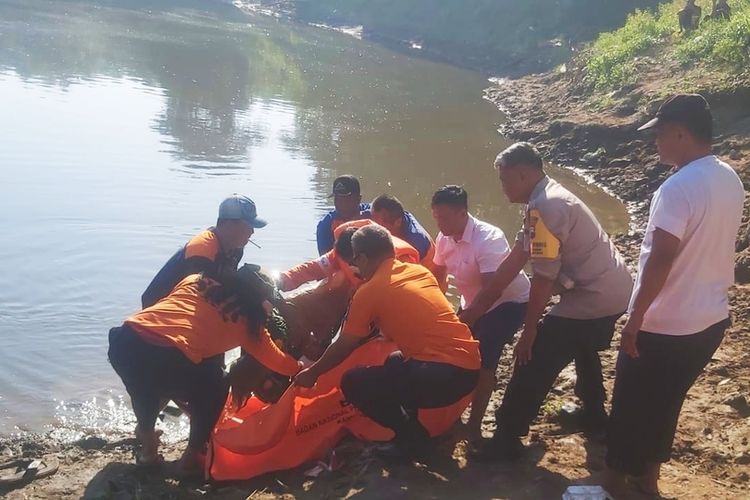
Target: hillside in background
{"type": "Point", "coordinates": [585, 114]}
{"type": "Point", "coordinates": [497, 36]}
{"type": "Point", "coordinates": [714, 56]}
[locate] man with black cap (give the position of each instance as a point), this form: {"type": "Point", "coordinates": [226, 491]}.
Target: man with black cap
{"type": "Point", "coordinates": [348, 206]}
{"type": "Point", "coordinates": [212, 251]}
{"type": "Point", "coordinates": [679, 309]}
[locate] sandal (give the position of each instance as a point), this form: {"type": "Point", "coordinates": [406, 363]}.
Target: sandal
{"type": "Point", "coordinates": [26, 469]}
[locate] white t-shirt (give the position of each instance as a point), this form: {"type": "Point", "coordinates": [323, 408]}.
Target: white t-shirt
{"type": "Point", "coordinates": [480, 250]}
{"type": "Point", "coordinates": [701, 204]}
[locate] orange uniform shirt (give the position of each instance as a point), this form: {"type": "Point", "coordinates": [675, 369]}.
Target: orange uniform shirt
{"type": "Point", "coordinates": [429, 259]}
{"type": "Point", "coordinates": [330, 263]}
{"type": "Point", "coordinates": [186, 320]}
{"type": "Point", "coordinates": [405, 302]}
{"type": "Point", "coordinates": [206, 244]}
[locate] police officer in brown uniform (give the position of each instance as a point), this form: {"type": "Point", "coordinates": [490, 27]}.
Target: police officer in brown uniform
{"type": "Point", "coordinates": [570, 255]}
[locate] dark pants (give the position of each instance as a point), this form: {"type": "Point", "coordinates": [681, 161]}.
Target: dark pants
{"type": "Point", "coordinates": [559, 341]}
{"type": "Point", "coordinates": [391, 394]}
{"type": "Point", "coordinates": [154, 373]}
{"type": "Point", "coordinates": [496, 329]}
{"type": "Point", "coordinates": [649, 392]}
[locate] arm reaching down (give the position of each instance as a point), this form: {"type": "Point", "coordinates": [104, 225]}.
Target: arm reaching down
{"type": "Point", "coordinates": [499, 281]}
{"type": "Point", "coordinates": [337, 352]}
{"type": "Point", "coordinates": [654, 274]}
{"type": "Point", "coordinates": [539, 295]}
{"type": "Point", "coordinates": [324, 235]}
{"type": "Point", "coordinates": [441, 275]}
{"type": "Point", "coordinates": [357, 326]}
{"type": "Point", "coordinates": [265, 350]}
{"type": "Point", "coordinates": [313, 270]}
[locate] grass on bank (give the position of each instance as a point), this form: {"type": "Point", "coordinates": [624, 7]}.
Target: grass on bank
{"type": "Point", "coordinates": [611, 61]}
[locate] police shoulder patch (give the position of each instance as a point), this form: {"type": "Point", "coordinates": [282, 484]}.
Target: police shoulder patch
{"type": "Point", "coordinates": [543, 244]}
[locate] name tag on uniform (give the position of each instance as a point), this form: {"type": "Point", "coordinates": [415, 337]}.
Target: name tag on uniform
{"type": "Point", "coordinates": [542, 243]}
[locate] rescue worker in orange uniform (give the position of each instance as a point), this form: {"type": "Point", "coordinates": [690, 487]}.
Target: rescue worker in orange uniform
{"type": "Point", "coordinates": [212, 251]}
{"type": "Point", "coordinates": [167, 351]}
{"type": "Point", "coordinates": [337, 267]}
{"type": "Point", "coordinates": [438, 361]}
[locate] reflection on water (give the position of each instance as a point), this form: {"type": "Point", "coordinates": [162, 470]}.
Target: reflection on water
{"type": "Point", "coordinates": [123, 128]}
{"type": "Point", "coordinates": [76, 420]}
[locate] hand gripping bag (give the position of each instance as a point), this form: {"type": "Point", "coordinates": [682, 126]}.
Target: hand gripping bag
{"type": "Point", "coordinates": [305, 423]}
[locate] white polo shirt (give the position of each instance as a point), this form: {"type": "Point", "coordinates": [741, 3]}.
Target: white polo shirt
{"type": "Point", "coordinates": [480, 250]}
{"type": "Point", "coordinates": [701, 204]}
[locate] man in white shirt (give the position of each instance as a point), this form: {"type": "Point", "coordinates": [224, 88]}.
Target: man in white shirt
{"type": "Point", "coordinates": [471, 251]}
{"type": "Point", "coordinates": [679, 309]}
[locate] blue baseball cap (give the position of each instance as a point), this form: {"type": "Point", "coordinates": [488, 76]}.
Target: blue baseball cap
{"type": "Point", "coordinates": [242, 208]}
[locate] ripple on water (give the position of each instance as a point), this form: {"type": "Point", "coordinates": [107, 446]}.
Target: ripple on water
{"type": "Point", "coordinates": [109, 416]}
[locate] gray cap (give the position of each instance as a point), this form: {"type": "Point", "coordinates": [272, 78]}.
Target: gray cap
{"type": "Point", "coordinates": [243, 208]}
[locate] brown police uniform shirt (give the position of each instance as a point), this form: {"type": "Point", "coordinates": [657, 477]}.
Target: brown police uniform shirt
{"type": "Point", "coordinates": [567, 244]}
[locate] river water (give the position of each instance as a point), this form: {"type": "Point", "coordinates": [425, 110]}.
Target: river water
{"type": "Point", "coordinates": [122, 129]}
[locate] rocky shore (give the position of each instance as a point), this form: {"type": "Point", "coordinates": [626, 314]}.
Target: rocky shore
{"type": "Point", "coordinates": [597, 136]}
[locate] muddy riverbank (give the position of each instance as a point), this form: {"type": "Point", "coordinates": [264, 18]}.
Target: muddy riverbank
{"type": "Point", "coordinates": [597, 136]}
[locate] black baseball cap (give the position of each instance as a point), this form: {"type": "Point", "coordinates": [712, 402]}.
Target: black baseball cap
{"type": "Point", "coordinates": [345, 185]}
{"type": "Point", "coordinates": [691, 110]}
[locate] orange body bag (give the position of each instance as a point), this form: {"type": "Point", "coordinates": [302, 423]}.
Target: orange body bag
{"type": "Point", "coordinates": [305, 423]}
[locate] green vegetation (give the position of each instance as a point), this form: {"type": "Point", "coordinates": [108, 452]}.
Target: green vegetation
{"type": "Point", "coordinates": [612, 61]}
{"type": "Point", "coordinates": [551, 407]}
{"type": "Point", "coordinates": [724, 42]}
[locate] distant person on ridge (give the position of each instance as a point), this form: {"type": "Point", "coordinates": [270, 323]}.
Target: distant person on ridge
{"type": "Point", "coordinates": [689, 17]}
{"type": "Point", "coordinates": [348, 206]}
{"type": "Point", "coordinates": [721, 10]}
{"type": "Point", "coordinates": [211, 251]}
{"type": "Point", "coordinates": [679, 310]}
{"type": "Point", "coordinates": [388, 211]}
